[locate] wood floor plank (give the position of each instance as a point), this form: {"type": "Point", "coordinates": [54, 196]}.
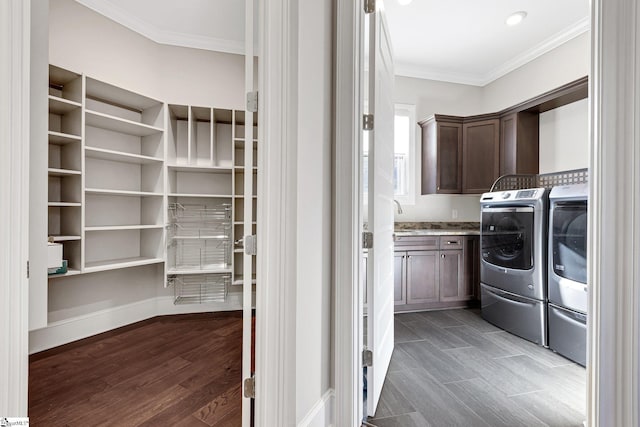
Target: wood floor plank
{"type": "Point", "coordinates": [440, 337]}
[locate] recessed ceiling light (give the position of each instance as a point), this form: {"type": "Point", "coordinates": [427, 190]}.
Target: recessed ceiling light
{"type": "Point", "coordinates": [404, 2]}
{"type": "Point", "coordinates": [516, 18]}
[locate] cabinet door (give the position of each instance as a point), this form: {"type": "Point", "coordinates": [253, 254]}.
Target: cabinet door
{"type": "Point", "coordinates": [519, 141]}
{"type": "Point", "coordinates": [449, 158]}
{"type": "Point", "coordinates": [422, 277]}
{"type": "Point", "coordinates": [451, 275]}
{"type": "Point", "coordinates": [481, 155]}
{"type": "Point", "coordinates": [399, 279]}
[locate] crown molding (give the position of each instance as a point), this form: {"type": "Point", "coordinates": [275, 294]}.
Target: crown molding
{"type": "Point", "coordinates": [420, 72]}
{"type": "Point", "coordinates": [152, 32]}
{"type": "Point", "coordinates": [540, 49]}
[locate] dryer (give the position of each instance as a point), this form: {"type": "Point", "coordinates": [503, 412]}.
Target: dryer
{"type": "Point", "coordinates": [513, 266]}
{"type": "Point", "coordinates": [568, 293]}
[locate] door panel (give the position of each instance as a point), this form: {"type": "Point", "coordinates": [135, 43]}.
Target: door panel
{"type": "Point", "coordinates": [449, 158]}
{"type": "Point", "coordinates": [422, 277]}
{"type": "Point", "coordinates": [481, 155]}
{"type": "Point", "coordinates": [451, 274]}
{"type": "Point", "coordinates": [380, 303]}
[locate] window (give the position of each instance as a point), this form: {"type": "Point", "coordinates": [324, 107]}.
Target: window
{"type": "Point", "coordinates": [404, 155]}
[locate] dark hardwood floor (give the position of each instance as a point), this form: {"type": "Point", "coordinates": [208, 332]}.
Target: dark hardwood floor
{"type": "Point", "coordinates": [180, 370]}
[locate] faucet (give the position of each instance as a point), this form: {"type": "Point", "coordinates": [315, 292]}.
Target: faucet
{"type": "Point", "coordinates": [399, 206]}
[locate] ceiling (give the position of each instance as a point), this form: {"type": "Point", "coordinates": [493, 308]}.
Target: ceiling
{"type": "Point", "coordinates": [460, 41]}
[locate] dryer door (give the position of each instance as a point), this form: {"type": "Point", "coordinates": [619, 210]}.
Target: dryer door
{"type": "Point", "coordinates": [507, 237]}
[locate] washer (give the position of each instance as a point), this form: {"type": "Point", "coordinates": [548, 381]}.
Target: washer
{"type": "Point", "coordinates": [513, 266]}
{"type": "Point", "coordinates": [568, 296]}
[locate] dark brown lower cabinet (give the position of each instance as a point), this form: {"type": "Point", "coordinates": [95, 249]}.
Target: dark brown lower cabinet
{"type": "Point", "coordinates": [438, 276]}
{"type": "Point", "coordinates": [422, 277]}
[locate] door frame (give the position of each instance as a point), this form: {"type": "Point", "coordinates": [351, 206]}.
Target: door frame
{"type": "Point", "coordinates": [613, 341]}
{"type": "Point", "coordinates": [15, 49]}
{"type": "Point", "coordinates": [347, 192]}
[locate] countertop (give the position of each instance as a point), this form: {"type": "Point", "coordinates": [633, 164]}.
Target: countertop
{"type": "Point", "coordinates": [404, 229]}
{"type": "Point", "coordinates": [437, 232]}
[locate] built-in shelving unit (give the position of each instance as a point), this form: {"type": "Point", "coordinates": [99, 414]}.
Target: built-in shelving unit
{"type": "Point", "coordinates": [134, 181]}
{"type": "Point", "coordinates": [65, 165]}
{"type": "Point", "coordinates": [124, 178]}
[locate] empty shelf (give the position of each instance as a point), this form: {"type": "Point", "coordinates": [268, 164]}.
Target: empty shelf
{"type": "Point", "coordinates": [64, 204]}
{"type": "Point", "coordinates": [120, 192]}
{"type": "Point", "coordinates": [61, 238]}
{"type": "Point", "coordinates": [59, 138]}
{"type": "Point", "coordinates": [200, 169]}
{"type": "Point", "coordinates": [61, 106]}
{"type": "Point", "coordinates": [117, 124]}
{"type": "Point", "coordinates": [119, 156]}
{"type": "Point", "coordinates": [212, 196]}
{"type": "Point", "coordinates": [63, 172]}
{"type": "Point", "coordinates": [121, 227]}
{"type": "Point", "coordinates": [113, 264]}
{"type": "Point", "coordinates": [204, 270]}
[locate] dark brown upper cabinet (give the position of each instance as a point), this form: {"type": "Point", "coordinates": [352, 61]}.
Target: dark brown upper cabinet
{"type": "Point", "coordinates": [480, 154]}
{"type": "Point", "coordinates": [467, 154]}
{"type": "Point", "coordinates": [441, 155]}
{"type": "Point", "coordinates": [519, 143]}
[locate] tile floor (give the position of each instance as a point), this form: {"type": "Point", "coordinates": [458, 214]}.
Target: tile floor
{"type": "Point", "coordinates": [451, 368]}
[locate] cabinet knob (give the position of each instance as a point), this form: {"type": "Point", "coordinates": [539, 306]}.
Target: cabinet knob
{"type": "Point", "coordinates": [442, 256]}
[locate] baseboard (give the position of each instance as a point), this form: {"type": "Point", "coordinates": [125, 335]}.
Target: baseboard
{"type": "Point", "coordinates": [79, 327]}
{"type": "Point", "coordinates": [322, 413]}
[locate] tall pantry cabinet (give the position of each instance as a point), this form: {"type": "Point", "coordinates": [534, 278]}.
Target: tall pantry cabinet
{"type": "Point", "coordinates": [134, 181]}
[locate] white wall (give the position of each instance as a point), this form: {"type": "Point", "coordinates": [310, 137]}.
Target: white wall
{"type": "Point", "coordinates": [564, 138]}
{"type": "Point", "coordinates": [87, 42]}
{"type": "Point", "coordinates": [314, 227]}
{"type": "Point", "coordinates": [562, 65]}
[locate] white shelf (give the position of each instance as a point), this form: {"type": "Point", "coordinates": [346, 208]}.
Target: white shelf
{"type": "Point", "coordinates": [113, 264]}
{"type": "Point", "coordinates": [241, 281]}
{"type": "Point", "coordinates": [59, 138]}
{"type": "Point", "coordinates": [241, 196]}
{"type": "Point", "coordinates": [119, 156]}
{"type": "Point", "coordinates": [122, 227]}
{"type": "Point", "coordinates": [63, 172]}
{"type": "Point", "coordinates": [61, 106]}
{"type": "Point", "coordinates": [242, 222]}
{"type": "Point", "coordinates": [63, 204]}
{"type": "Point", "coordinates": [60, 238]}
{"type": "Point", "coordinates": [203, 270]}
{"type": "Point", "coordinates": [101, 191]}
{"type": "Point", "coordinates": [70, 272]}
{"type": "Point", "coordinates": [200, 169]}
{"type": "Point", "coordinates": [211, 196]}
{"type": "Point", "coordinates": [117, 124]}
{"type": "Point", "coordinates": [203, 237]}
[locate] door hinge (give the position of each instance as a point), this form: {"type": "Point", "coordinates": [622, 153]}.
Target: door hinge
{"type": "Point", "coordinates": [367, 240]}
{"type": "Point", "coordinates": [252, 102]}
{"type": "Point", "coordinates": [367, 357]}
{"type": "Point", "coordinates": [250, 387]}
{"type": "Point", "coordinates": [251, 245]}
{"type": "Point", "coordinates": [369, 6]}
{"type": "Point", "coordinates": [367, 122]}
{"type": "Point", "coordinates": [27, 269]}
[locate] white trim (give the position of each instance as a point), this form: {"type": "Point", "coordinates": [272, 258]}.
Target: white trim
{"type": "Point", "coordinates": [321, 414]}
{"type": "Point", "coordinates": [275, 403]}
{"type": "Point", "coordinates": [347, 330]}
{"type": "Point", "coordinates": [614, 215]}
{"type": "Point", "coordinates": [75, 328]}
{"type": "Point", "coordinates": [152, 32]}
{"type": "Point", "coordinates": [15, 27]}
{"type": "Point", "coordinates": [478, 79]}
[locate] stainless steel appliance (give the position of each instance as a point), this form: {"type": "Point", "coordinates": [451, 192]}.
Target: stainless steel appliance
{"type": "Point", "coordinates": [568, 271]}
{"type": "Point", "coordinates": [513, 267]}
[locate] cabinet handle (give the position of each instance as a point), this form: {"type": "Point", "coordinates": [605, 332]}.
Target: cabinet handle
{"type": "Point", "coordinates": [452, 242]}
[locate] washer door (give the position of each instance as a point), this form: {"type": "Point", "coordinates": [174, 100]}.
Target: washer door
{"type": "Point", "coordinates": [569, 240]}
{"type": "Point", "coordinates": [507, 237]}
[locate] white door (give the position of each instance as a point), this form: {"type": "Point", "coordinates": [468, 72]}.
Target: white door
{"type": "Point", "coordinates": [380, 206]}
{"type": "Point", "coordinates": [248, 213]}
